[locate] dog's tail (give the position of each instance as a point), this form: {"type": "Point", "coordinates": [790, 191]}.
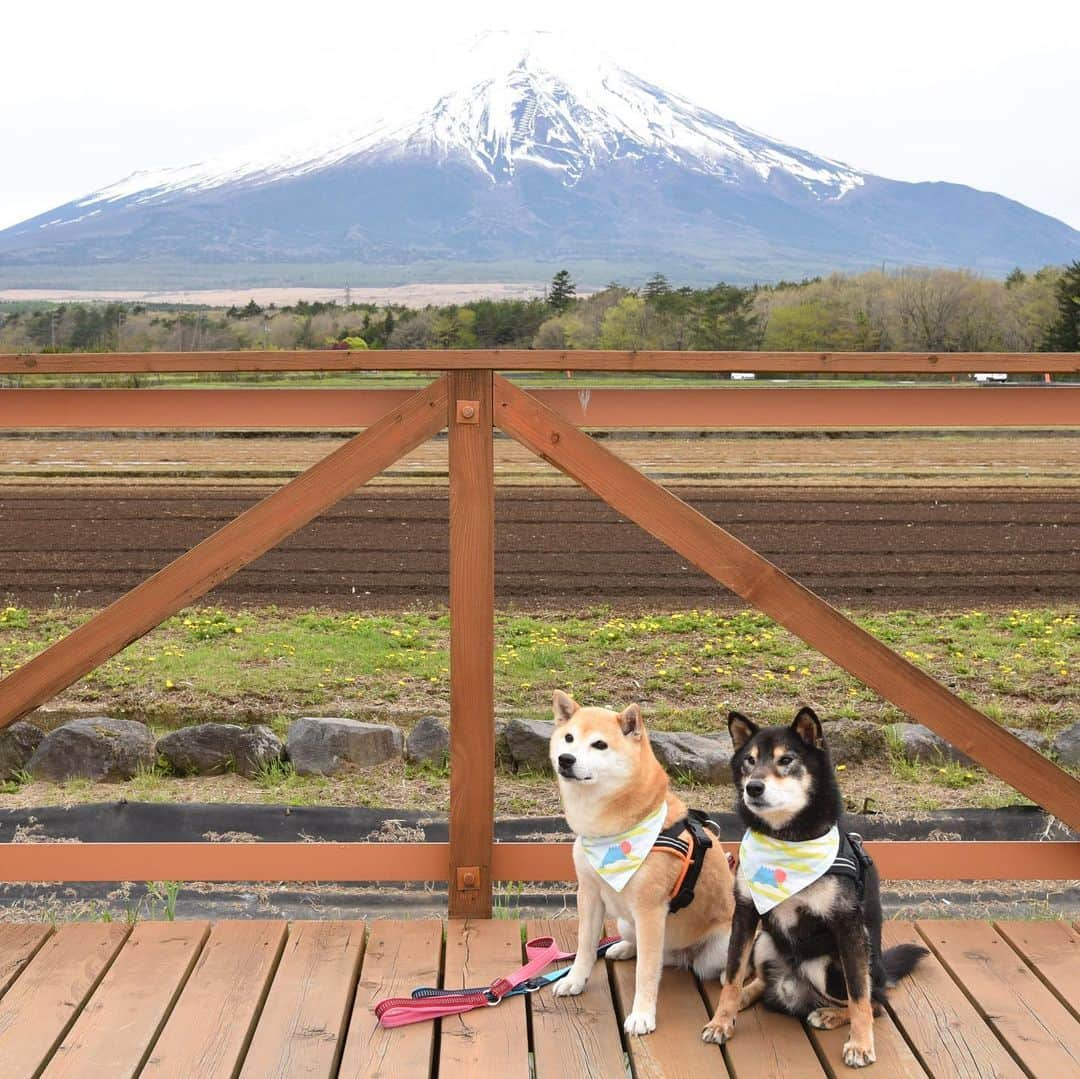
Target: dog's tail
{"type": "Point", "coordinates": [901, 960]}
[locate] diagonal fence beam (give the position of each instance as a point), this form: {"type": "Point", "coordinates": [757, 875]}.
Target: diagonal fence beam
{"type": "Point", "coordinates": [772, 591]}
{"type": "Point", "coordinates": [219, 556]}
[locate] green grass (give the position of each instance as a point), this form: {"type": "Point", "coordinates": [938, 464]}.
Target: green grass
{"type": "Point", "coordinates": [690, 667]}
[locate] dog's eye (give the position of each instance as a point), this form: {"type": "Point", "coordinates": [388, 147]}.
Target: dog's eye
{"type": "Point", "coordinates": [569, 737]}
{"type": "Point", "coordinates": [786, 759]}
{"type": "Point", "coordinates": [599, 745]}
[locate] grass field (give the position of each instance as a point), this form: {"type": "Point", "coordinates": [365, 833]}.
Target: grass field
{"type": "Point", "coordinates": [688, 669]}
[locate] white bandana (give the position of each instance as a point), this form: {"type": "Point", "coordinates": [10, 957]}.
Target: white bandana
{"type": "Point", "coordinates": [775, 870]}
{"type": "Point", "coordinates": [618, 857]}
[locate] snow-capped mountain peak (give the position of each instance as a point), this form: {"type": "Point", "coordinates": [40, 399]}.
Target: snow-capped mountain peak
{"type": "Point", "coordinates": [523, 99]}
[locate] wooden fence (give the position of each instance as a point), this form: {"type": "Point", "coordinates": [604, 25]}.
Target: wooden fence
{"type": "Point", "coordinates": [472, 400]}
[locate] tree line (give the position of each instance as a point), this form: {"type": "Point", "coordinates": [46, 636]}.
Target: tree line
{"type": "Point", "coordinates": [912, 310]}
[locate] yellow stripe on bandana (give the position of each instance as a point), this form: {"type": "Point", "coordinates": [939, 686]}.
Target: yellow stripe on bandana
{"type": "Point", "coordinates": [775, 869]}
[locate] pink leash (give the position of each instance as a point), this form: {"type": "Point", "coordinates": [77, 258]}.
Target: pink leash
{"type": "Point", "coordinates": [427, 1004]}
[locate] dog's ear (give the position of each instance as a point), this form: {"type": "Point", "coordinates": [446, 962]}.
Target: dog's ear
{"type": "Point", "coordinates": [563, 706]}
{"type": "Point", "coordinates": [630, 721]}
{"type": "Point", "coordinates": [740, 728]}
{"type": "Point", "coordinates": [808, 727]}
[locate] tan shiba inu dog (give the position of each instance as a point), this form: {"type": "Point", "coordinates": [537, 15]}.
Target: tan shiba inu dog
{"type": "Point", "coordinates": [612, 787]}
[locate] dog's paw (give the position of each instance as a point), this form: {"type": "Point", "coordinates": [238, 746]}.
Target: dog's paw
{"type": "Point", "coordinates": [625, 949]}
{"type": "Point", "coordinates": [828, 1018]}
{"type": "Point", "coordinates": [719, 1029]}
{"type": "Point", "coordinates": [640, 1023]}
{"type": "Point", "coordinates": [570, 986]}
{"type": "Point", "coordinates": [858, 1056]}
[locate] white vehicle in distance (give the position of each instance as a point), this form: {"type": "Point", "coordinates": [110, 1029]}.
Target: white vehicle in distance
{"type": "Point", "coordinates": [990, 376]}
{"type": "Point", "coordinates": [742, 376]}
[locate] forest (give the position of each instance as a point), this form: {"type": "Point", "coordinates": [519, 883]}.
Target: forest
{"type": "Point", "coordinates": [912, 310]}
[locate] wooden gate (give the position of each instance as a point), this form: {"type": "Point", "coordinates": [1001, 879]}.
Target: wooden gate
{"type": "Point", "coordinates": [472, 401]}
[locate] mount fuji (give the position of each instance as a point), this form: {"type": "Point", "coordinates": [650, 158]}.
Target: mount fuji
{"type": "Point", "coordinates": [542, 155]}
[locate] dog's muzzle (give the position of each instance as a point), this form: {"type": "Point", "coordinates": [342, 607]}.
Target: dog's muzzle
{"type": "Point", "coordinates": [566, 765]}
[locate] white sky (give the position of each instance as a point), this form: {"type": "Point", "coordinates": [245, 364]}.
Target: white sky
{"type": "Point", "coordinates": [983, 93]}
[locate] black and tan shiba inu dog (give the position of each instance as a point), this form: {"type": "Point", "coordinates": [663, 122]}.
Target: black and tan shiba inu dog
{"type": "Point", "coordinates": [812, 889]}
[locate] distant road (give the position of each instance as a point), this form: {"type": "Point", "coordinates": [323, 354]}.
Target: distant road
{"type": "Point", "coordinates": [878, 547]}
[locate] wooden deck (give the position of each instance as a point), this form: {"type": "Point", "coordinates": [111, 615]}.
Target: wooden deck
{"type": "Point", "coordinates": [256, 999]}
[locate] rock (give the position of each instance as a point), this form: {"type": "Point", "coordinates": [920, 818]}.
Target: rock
{"type": "Point", "coordinates": [96, 748]}
{"type": "Point", "coordinates": [17, 745]}
{"type": "Point", "coordinates": [1039, 742]}
{"type": "Point", "coordinates": [320, 746]}
{"type": "Point", "coordinates": [852, 740]}
{"type": "Point", "coordinates": [526, 742]}
{"type": "Point", "coordinates": [919, 743]}
{"type": "Point", "coordinates": [428, 742]}
{"type": "Point", "coordinates": [502, 750]}
{"type": "Point", "coordinates": [704, 758]}
{"type": "Point", "coordinates": [1067, 745]}
{"type": "Point", "coordinates": [213, 748]}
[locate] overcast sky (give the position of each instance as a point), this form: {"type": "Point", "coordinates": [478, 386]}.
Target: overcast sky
{"type": "Point", "coordinates": [984, 93]}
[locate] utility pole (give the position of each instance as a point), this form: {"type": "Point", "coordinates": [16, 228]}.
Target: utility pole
{"type": "Point", "coordinates": [348, 296]}
{"type": "Point", "coordinates": [52, 329]}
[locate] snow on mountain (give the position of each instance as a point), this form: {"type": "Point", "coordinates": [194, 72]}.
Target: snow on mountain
{"type": "Point", "coordinates": [526, 99]}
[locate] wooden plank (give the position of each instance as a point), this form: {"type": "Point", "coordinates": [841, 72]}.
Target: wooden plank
{"type": "Point", "coordinates": [574, 1036]}
{"type": "Point", "coordinates": [772, 591]}
{"type": "Point", "coordinates": [941, 1024]}
{"type": "Point", "coordinates": [543, 360]}
{"type": "Point", "coordinates": [302, 1026]}
{"type": "Point", "coordinates": [900, 860]}
{"type": "Point", "coordinates": [1036, 1027]}
{"type": "Point", "coordinates": [725, 407]}
{"type": "Point", "coordinates": [1052, 950]}
{"type": "Point", "coordinates": [116, 1030]}
{"type": "Point", "coordinates": [674, 1050]}
{"type": "Point", "coordinates": [487, 1041]}
{"type": "Point", "coordinates": [219, 556]}
{"type": "Point", "coordinates": [472, 644]}
{"type": "Point", "coordinates": [908, 860]}
{"type": "Point", "coordinates": [893, 1054]}
{"type": "Point", "coordinates": [19, 943]}
{"type": "Point", "coordinates": [224, 862]}
{"type": "Point", "coordinates": [767, 1045]}
{"type": "Point", "coordinates": [211, 1025]}
{"type": "Point", "coordinates": [398, 957]}
{"type": "Point", "coordinates": [41, 1005]}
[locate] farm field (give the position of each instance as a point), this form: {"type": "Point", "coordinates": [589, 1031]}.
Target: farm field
{"type": "Point", "coordinates": [889, 521]}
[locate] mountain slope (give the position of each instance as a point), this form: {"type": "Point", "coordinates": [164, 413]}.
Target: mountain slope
{"type": "Point", "coordinates": [541, 156]}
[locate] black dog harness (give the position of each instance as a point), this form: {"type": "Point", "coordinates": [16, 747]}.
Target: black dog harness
{"type": "Point", "coordinates": [851, 862]}
{"type": "Point", "coordinates": [692, 853]}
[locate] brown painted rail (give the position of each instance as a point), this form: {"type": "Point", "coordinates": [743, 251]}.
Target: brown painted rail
{"type": "Point", "coordinates": [545, 360]}
{"type": "Point", "coordinates": [531, 862]}
{"type": "Point", "coordinates": [757, 408]}
{"type": "Point", "coordinates": [471, 402]}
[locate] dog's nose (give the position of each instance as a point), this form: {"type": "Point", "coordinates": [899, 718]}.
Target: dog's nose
{"type": "Point", "coordinates": [755, 788]}
{"type": "Point", "coordinates": [566, 761]}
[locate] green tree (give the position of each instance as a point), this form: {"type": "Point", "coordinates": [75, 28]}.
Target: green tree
{"type": "Point", "coordinates": [655, 287]}
{"type": "Point", "coordinates": [562, 292]}
{"type": "Point", "coordinates": [1063, 334]}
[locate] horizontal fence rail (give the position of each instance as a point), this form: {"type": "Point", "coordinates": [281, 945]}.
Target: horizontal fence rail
{"type": "Point", "coordinates": [1032, 363]}
{"type": "Point", "coordinates": [471, 403]}
{"type": "Point", "coordinates": [510, 862]}
{"type": "Point", "coordinates": [794, 408]}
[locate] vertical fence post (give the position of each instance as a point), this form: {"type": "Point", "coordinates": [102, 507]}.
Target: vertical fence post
{"type": "Point", "coordinates": [472, 643]}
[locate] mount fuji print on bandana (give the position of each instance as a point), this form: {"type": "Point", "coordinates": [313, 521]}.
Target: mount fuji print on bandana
{"type": "Point", "coordinates": [775, 870]}
{"type": "Point", "coordinates": [618, 857]}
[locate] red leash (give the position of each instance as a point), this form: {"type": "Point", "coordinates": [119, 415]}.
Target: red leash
{"type": "Point", "coordinates": [427, 1004]}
